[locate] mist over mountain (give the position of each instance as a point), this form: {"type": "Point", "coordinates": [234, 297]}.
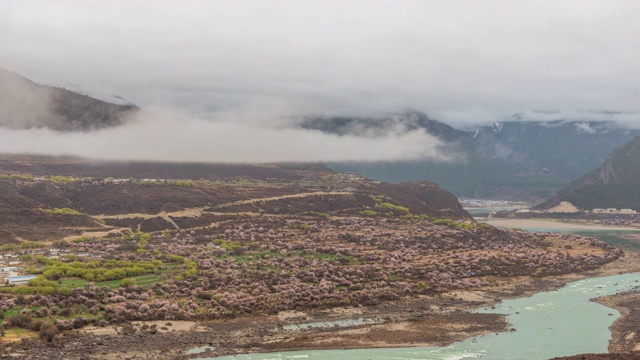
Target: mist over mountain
{"type": "Point", "coordinates": [615, 184]}
{"type": "Point", "coordinates": [516, 159]}
{"type": "Point", "coordinates": [25, 104]}
{"type": "Point", "coordinates": [511, 159]}
{"type": "Point", "coordinates": [37, 119]}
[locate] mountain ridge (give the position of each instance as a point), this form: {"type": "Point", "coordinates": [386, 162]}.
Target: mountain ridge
{"type": "Point", "coordinates": [511, 159]}
{"type": "Point", "coordinates": [25, 104]}
{"type": "Point", "coordinates": [615, 184]}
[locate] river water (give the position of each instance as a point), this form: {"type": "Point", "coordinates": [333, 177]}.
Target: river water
{"type": "Point", "coordinates": [549, 324]}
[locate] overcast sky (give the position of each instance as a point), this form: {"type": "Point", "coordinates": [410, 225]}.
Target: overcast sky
{"type": "Point", "coordinates": [457, 60]}
{"type": "Point", "coordinates": [221, 80]}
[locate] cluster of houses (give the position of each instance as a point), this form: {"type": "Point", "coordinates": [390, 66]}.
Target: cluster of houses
{"type": "Point", "coordinates": [566, 207]}
{"type": "Point", "coordinates": [614, 211]}
{"type": "Point", "coordinates": [93, 181]}
{"type": "Point", "coordinates": [12, 267]}
{"type": "Point", "coordinates": [13, 275]}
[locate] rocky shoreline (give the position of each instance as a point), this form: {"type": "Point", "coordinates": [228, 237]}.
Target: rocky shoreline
{"type": "Point", "coordinates": [625, 336]}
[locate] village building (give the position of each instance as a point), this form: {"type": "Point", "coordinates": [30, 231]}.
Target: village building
{"type": "Point", "coordinates": [18, 280]}
{"type": "Point", "coordinates": [614, 211]}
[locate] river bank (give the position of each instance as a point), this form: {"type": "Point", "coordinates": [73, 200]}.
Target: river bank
{"type": "Point", "coordinates": [434, 320]}
{"type": "Point", "coordinates": [459, 302]}
{"type": "Point", "coordinates": [451, 308]}
{"type": "Point", "coordinates": [530, 224]}
{"type": "Point", "coordinates": [624, 331]}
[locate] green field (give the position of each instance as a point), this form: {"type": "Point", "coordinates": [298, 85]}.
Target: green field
{"type": "Point", "coordinates": [12, 334]}
{"type": "Point", "coordinates": [15, 311]}
{"type": "Point", "coordinates": [141, 280]}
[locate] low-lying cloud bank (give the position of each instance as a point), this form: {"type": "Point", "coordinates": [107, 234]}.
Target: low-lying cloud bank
{"type": "Point", "coordinates": [622, 119]}
{"type": "Point", "coordinates": [165, 136]}
{"type": "Point", "coordinates": [470, 119]}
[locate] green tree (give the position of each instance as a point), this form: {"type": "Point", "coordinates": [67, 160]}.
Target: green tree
{"type": "Point", "coordinates": [127, 282]}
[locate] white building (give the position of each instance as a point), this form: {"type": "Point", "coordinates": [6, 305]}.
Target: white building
{"type": "Point", "coordinates": [18, 280]}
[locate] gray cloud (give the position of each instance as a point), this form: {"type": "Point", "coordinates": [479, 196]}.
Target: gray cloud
{"type": "Point", "coordinates": [629, 120]}
{"type": "Point", "coordinates": [461, 61]}
{"type": "Point", "coordinates": [584, 126]}
{"type": "Point", "coordinates": [470, 119]}
{"type": "Point", "coordinates": [160, 135]}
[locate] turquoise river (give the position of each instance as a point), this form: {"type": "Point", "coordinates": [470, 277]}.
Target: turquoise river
{"type": "Point", "coordinates": [548, 324]}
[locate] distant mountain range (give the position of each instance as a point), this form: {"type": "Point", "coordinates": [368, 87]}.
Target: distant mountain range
{"type": "Point", "coordinates": [615, 184]}
{"type": "Point", "coordinates": [25, 104]}
{"type": "Point", "coordinates": [512, 159]}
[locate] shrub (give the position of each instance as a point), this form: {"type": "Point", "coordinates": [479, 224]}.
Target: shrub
{"type": "Point", "coordinates": [64, 291]}
{"type": "Point", "coordinates": [445, 222]}
{"type": "Point", "coordinates": [127, 282]}
{"type": "Point", "coordinates": [61, 179]}
{"type": "Point", "coordinates": [369, 213]}
{"type": "Point", "coordinates": [60, 211]}
{"type": "Point", "coordinates": [31, 245]}
{"type": "Point", "coordinates": [20, 320]}
{"type": "Point", "coordinates": [394, 209]}
{"type": "Point", "coordinates": [187, 183]}
{"type": "Point", "coordinates": [60, 243]}
{"type": "Point", "coordinates": [8, 247]}
{"type": "Point", "coordinates": [35, 325]}
{"type": "Point", "coordinates": [48, 331]}
{"type": "Point", "coordinates": [78, 323]}
{"type": "Point", "coordinates": [20, 177]}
